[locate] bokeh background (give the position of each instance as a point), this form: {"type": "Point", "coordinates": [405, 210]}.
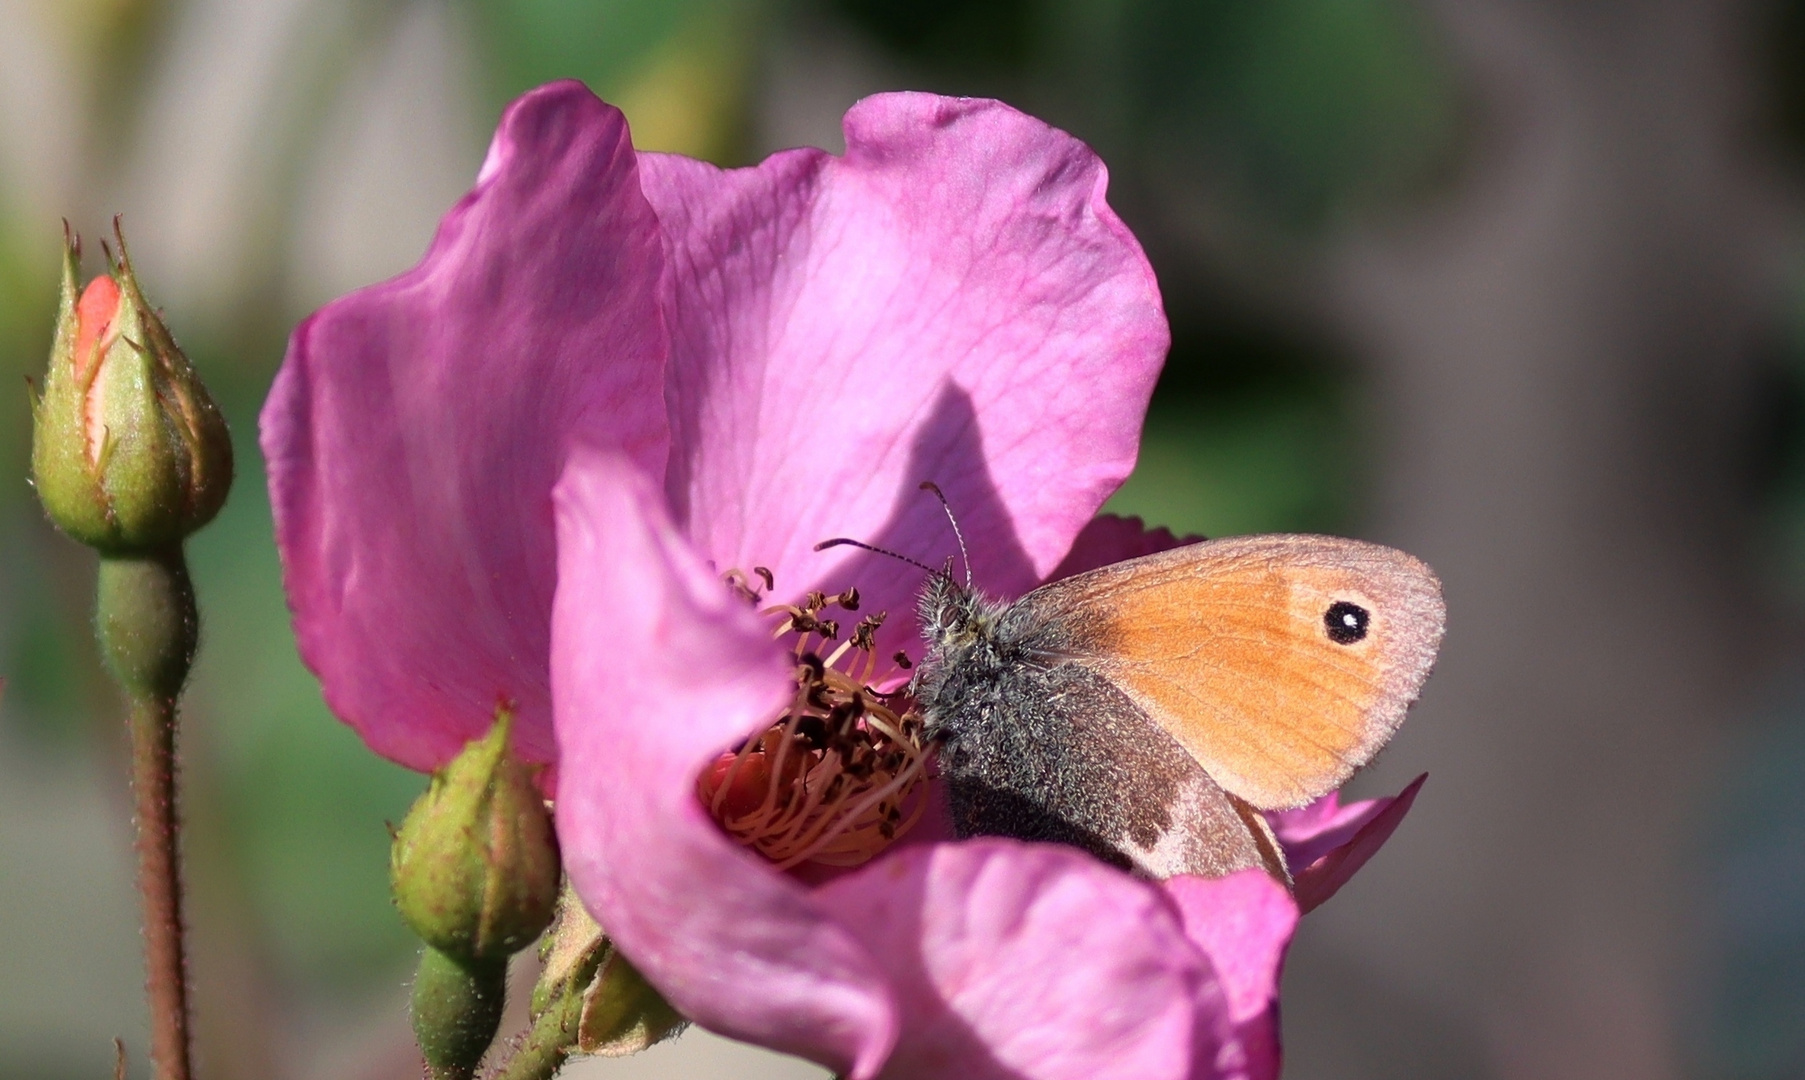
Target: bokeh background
{"type": "Point", "coordinates": [1513, 284]}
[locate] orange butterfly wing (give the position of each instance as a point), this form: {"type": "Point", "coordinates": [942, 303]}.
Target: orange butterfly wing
{"type": "Point", "coordinates": [1225, 645]}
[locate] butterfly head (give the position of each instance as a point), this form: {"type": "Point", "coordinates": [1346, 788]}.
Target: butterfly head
{"type": "Point", "coordinates": [955, 618]}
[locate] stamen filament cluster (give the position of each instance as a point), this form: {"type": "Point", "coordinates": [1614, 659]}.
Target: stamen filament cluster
{"type": "Point", "coordinates": [837, 777]}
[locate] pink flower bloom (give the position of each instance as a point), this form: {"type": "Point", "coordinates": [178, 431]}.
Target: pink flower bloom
{"type": "Point", "coordinates": [519, 471]}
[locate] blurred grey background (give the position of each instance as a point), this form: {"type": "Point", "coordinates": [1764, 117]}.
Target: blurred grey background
{"type": "Point", "coordinates": [1514, 285]}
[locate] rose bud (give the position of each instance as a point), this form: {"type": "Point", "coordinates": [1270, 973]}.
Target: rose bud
{"type": "Point", "coordinates": [129, 453]}
{"type": "Point", "coordinates": [475, 863]}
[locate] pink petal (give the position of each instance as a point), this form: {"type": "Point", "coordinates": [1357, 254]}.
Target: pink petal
{"type": "Point", "coordinates": [1110, 538]}
{"type": "Point", "coordinates": [417, 427]}
{"type": "Point", "coordinates": [1330, 842]}
{"type": "Point", "coordinates": [952, 301]}
{"type": "Point", "coordinates": [656, 668]}
{"type": "Point", "coordinates": [1243, 923]}
{"type": "Point", "coordinates": [1313, 830]}
{"type": "Point", "coordinates": [1019, 961]}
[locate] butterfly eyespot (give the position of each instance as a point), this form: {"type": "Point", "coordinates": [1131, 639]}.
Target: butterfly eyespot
{"type": "Point", "coordinates": [1346, 622]}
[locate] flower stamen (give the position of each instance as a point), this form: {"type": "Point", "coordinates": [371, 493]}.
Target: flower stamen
{"type": "Point", "coordinates": [837, 777]}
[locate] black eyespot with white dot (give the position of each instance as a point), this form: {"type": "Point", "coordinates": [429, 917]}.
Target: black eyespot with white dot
{"type": "Point", "coordinates": [1346, 622]}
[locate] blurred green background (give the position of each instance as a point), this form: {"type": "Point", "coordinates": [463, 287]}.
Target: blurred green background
{"type": "Point", "coordinates": [1281, 161]}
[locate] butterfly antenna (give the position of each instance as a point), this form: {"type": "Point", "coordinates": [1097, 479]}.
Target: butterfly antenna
{"type": "Point", "coordinates": [843, 541]}
{"type": "Point", "coordinates": [929, 485]}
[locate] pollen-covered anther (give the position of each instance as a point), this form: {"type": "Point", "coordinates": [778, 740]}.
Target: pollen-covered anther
{"type": "Point", "coordinates": [740, 585]}
{"type": "Point", "coordinates": [838, 775]}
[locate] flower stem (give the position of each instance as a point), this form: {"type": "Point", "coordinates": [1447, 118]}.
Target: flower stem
{"type": "Point", "coordinates": [147, 624]}
{"type": "Point", "coordinates": [160, 882]}
{"type": "Point", "coordinates": [541, 1053]}
{"type": "Point", "coordinates": [573, 953]}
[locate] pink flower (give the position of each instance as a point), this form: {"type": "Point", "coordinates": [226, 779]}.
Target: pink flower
{"type": "Point", "coordinates": [519, 472]}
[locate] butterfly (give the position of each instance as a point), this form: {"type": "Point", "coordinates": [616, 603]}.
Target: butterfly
{"type": "Point", "coordinates": [1149, 711]}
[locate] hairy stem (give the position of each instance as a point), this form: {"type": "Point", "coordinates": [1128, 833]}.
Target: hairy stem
{"type": "Point", "coordinates": [547, 1043]}
{"type": "Point", "coordinates": [160, 882]}
{"type": "Point", "coordinates": [147, 625]}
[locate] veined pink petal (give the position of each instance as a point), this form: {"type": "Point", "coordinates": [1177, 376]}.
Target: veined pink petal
{"type": "Point", "coordinates": [1243, 923]}
{"type": "Point", "coordinates": [1110, 538]}
{"type": "Point", "coordinates": [951, 301]}
{"type": "Point", "coordinates": [655, 668]}
{"type": "Point", "coordinates": [417, 427]}
{"type": "Point", "coordinates": [1017, 961]}
{"type": "Point", "coordinates": [1326, 842]}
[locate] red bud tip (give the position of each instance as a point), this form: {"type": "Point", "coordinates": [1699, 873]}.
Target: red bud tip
{"type": "Point", "coordinates": [94, 319]}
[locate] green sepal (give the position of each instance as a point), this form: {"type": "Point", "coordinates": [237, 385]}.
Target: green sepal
{"type": "Point", "coordinates": [588, 1000]}
{"type": "Point", "coordinates": [67, 482]}
{"type": "Point", "coordinates": [622, 1013]}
